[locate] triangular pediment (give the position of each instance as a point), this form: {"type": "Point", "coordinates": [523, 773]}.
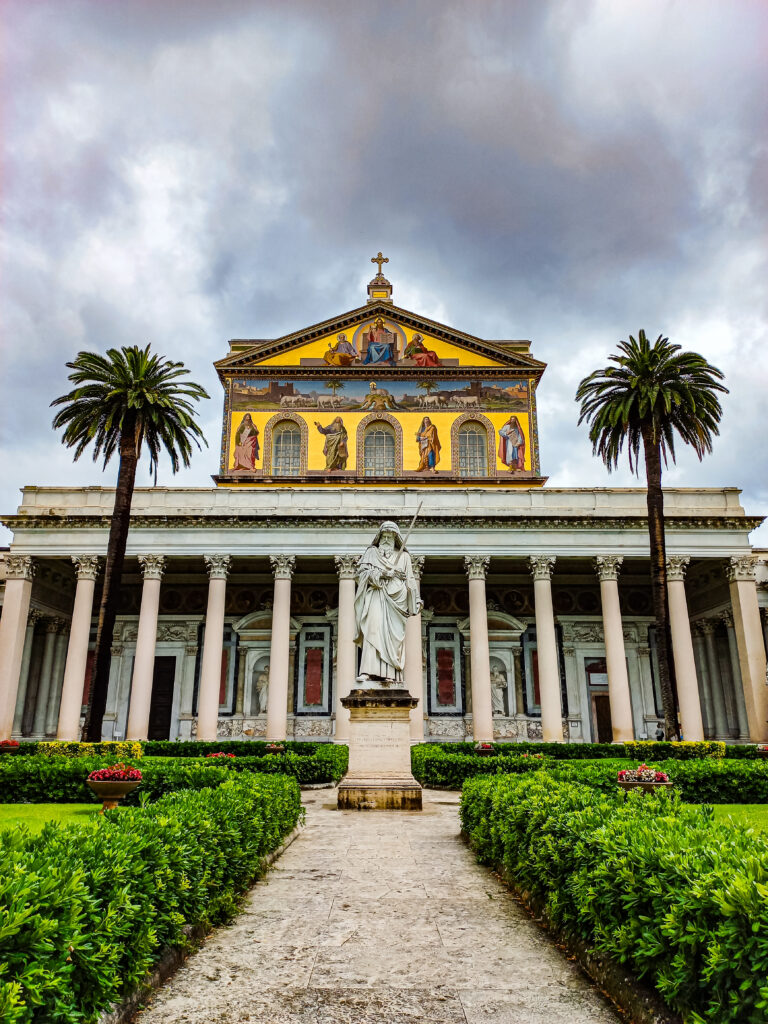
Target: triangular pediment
{"type": "Point", "coordinates": [382, 335]}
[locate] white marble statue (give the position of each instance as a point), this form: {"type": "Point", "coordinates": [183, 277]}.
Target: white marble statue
{"type": "Point", "coordinates": [387, 593]}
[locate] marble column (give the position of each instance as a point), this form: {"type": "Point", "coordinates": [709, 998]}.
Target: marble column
{"type": "Point", "coordinates": [87, 569]}
{"type": "Point", "coordinates": [19, 571]}
{"type": "Point", "coordinates": [705, 689]}
{"type": "Point", "coordinates": [607, 568]}
{"type": "Point", "coordinates": [682, 650]}
{"type": "Point", "coordinates": [738, 689]}
{"type": "Point", "coordinates": [741, 573]}
{"type": "Point", "coordinates": [152, 567]}
{"type": "Point", "coordinates": [280, 649]}
{"type": "Point", "coordinates": [546, 647]}
{"type": "Point", "coordinates": [213, 647]}
{"type": "Point", "coordinates": [57, 678]}
{"type": "Point", "coordinates": [29, 638]}
{"type": "Point", "coordinates": [52, 629]}
{"type": "Point", "coordinates": [480, 658]}
{"type": "Point", "coordinates": [707, 627]}
{"type": "Point", "coordinates": [414, 664]}
{"type": "Point", "coordinates": [346, 652]}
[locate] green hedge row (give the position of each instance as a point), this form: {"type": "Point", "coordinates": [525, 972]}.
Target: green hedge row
{"type": "Point", "coordinates": [646, 750]}
{"type": "Point", "coordinates": [86, 909]}
{"type": "Point", "coordinates": [241, 748]}
{"type": "Point", "coordinates": [707, 780]}
{"type": "Point", "coordinates": [62, 779]}
{"type": "Point", "coordinates": [651, 883]}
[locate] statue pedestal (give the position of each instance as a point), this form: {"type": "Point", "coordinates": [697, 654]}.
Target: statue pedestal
{"type": "Point", "coordinates": [379, 775]}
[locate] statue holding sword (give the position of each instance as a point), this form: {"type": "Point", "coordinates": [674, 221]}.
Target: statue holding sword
{"type": "Point", "coordinates": [387, 593]}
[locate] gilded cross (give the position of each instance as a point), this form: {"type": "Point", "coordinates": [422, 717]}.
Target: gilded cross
{"type": "Point", "coordinates": [379, 259]}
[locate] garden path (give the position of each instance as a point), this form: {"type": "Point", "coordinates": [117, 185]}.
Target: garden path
{"type": "Point", "coordinates": [384, 917]}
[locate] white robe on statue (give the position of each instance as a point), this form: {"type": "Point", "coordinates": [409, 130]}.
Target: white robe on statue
{"type": "Point", "coordinates": [387, 593]}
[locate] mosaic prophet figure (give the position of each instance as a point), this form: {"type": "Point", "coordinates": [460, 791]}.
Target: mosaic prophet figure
{"type": "Point", "coordinates": [335, 449]}
{"type": "Point", "coordinates": [512, 444]}
{"type": "Point", "coordinates": [419, 353]}
{"type": "Point", "coordinates": [387, 593]}
{"type": "Point", "coordinates": [429, 445]}
{"type": "Point", "coordinates": [246, 444]}
{"type": "Point", "coordinates": [342, 353]}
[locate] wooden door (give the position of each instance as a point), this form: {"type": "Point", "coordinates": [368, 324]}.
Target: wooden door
{"type": "Point", "coordinates": [162, 698]}
{"type": "Point", "coordinates": [601, 718]}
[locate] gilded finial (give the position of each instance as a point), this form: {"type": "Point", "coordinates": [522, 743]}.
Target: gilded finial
{"type": "Point", "coordinates": [379, 259]}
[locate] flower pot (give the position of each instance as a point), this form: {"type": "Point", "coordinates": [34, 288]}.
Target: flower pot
{"type": "Point", "coordinates": [9, 750]}
{"type": "Point", "coordinates": [275, 748]}
{"type": "Point", "coordinates": [762, 753]}
{"type": "Point", "coordinates": [111, 793]}
{"type": "Point", "coordinates": [646, 787]}
{"type": "Point", "coordinates": [485, 751]}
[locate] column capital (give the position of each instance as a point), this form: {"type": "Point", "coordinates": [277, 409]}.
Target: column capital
{"type": "Point", "coordinates": [417, 564]}
{"type": "Point", "coordinates": [35, 616]}
{"type": "Point", "coordinates": [677, 566]}
{"type": "Point", "coordinates": [217, 566]}
{"type": "Point", "coordinates": [55, 625]}
{"type": "Point", "coordinates": [19, 567]}
{"type": "Point", "coordinates": [541, 566]}
{"type": "Point", "coordinates": [282, 566]}
{"type": "Point", "coordinates": [152, 566]}
{"type": "Point", "coordinates": [607, 566]}
{"type": "Point", "coordinates": [742, 568]}
{"type": "Point", "coordinates": [706, 626]}
{"type": "Point", "coordinates": [726, 618]}
{"type": "Point", "coordinates": [476, 566]}
{"type": "Point", "coordinates": [346, 566]}
{"type": "Point", "coordinates": [86, 566]}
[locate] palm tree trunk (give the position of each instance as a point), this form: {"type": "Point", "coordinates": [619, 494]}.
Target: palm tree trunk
{"type": "Point", "coordinates": [110, 594]}
{"type": "Point", "coordinates": [655, 499]}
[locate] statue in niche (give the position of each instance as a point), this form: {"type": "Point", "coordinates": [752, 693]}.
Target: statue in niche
{"type": "Point", "coordinates": [260, 690]}
{"type": "Point", "coordinates": [387, 593]}
{"type": "Point", "coordinates": [498, 689]}
{"type": "Point", "coordinates": [246, 444]}
{"type": "Point", "coordinates": [335, 448]}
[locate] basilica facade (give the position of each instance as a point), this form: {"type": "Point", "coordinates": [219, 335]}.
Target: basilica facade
{"type": "Point", "coordinates": [236, 608]}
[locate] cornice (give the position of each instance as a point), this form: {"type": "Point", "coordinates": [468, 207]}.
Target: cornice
{"type": "Point", "coordinates": [230, 364]}
{"type": "Point", "coordinates": [278, 521]}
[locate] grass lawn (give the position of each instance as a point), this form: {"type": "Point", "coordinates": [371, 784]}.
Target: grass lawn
{"type": "Point", "coordinates": [37, 815]}
{"type": "Point", "coordinates": [755, 815]}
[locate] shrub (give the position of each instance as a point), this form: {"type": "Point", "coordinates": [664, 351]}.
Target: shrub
{"type": "Point", "coordinates": [241, 748]}
{"type": "Point", "coordinates": [441, 769]}
{"type": "Point", "coordinates": [88, 908]}
{"type": "Point", "coordinates": [62, 779]}
{"type": "Point", "coordinates": [642, 750]}
{"type": "Point", "coordinates": [119, 749]}
{"type": "Point", "coordinates": [651, 883]}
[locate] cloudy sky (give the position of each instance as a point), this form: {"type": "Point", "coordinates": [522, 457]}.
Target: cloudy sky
{"type": "Point", "coordinates": [567, 171]}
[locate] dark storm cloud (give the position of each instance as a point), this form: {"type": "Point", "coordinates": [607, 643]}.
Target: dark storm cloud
{"type": "Point", "coordinates": [564, 171]}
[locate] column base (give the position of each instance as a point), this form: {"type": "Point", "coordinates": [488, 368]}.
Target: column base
{"type": "Point", "coordinates": [379, 775]}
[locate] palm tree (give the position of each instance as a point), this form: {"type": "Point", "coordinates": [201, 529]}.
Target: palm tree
{"type": "Point", "coordinates": [652, 393]}
{"type": "Point", "coordinates": [335, 385]}
{"type": "Point", "coordinates": [120, 402]}
{"type": "Point", "coordinates": [427, 386]}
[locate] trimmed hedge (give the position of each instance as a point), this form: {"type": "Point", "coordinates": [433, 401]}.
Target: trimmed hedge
{"type": "Point", "coordinates": [87, 909]}
{"type": "Point", "coordinates": [241, 748]}
{"type": "Point", "coordinates": [651, 883]}
{"type": "Point", "coordinates": [62, 780]}
{"type": "Point", "coordinates": [645, 750]}
{"type": "Point", "coordinates": [708, 780]}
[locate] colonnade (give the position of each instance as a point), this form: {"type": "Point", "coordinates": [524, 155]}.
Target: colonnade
{"type": "Point", "coordinates": [746, 651]}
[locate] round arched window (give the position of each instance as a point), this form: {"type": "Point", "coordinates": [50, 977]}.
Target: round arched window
{"type": "Point", "coordinates": [473, 449]}
{"type": "Point", "coordinates": [379, 450]}
{"type": "Point", "coordinates": [286, 449]}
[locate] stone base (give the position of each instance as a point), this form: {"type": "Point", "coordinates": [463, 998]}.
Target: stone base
{"type": "Point", "coordinates": [379, 775]}
{"type": "Point", "coordinates": [379, 795]}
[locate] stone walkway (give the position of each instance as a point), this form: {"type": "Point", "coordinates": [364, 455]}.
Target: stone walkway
{"type": "Point", "coordinates": [379, 917]}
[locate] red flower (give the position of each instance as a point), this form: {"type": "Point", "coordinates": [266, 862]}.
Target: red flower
{"type": "Point", "coordinates": [116, 773]}
{"type": "Point", "coordinates": [220, 754]}
{"type": "Point", "coordinates": [9, 743]}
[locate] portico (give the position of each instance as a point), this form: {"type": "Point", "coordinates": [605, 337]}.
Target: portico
{"type": "Point", "coordinates": [237, 622]}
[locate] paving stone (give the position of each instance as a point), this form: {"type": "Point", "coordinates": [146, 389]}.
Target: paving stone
{"type": "Point", "coordinates": [379, 917]}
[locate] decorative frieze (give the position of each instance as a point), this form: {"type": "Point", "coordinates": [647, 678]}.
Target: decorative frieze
{"type": "Point", "coordinates": [19, 567]}
{"type": "Point", "coordinates": [607, 567]}
{"type": "Point", "coordinates": [346, 566]}
{"type": "Point", "coordinates": [742, 568]}
{"type": "Point", "coordinates": [152, 566]}
{"type": "Point", "coordinates": [476, 566]}
{"type": "Point", "coordinates": [86, 566]}
{"type": "Point", "coordinates": [541, 566]}
{"type": "Point", "coordinates": [282, 566]}
{"type": "Point", "coordinates": [217, 566]}
{"type": "Point", "coordinates": [677, 566]}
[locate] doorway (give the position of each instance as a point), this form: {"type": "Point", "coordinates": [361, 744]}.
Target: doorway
{"type": "Point", "coordinates": [161, 706]}
{"type": "Point", "coordinates": [602, 729]}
